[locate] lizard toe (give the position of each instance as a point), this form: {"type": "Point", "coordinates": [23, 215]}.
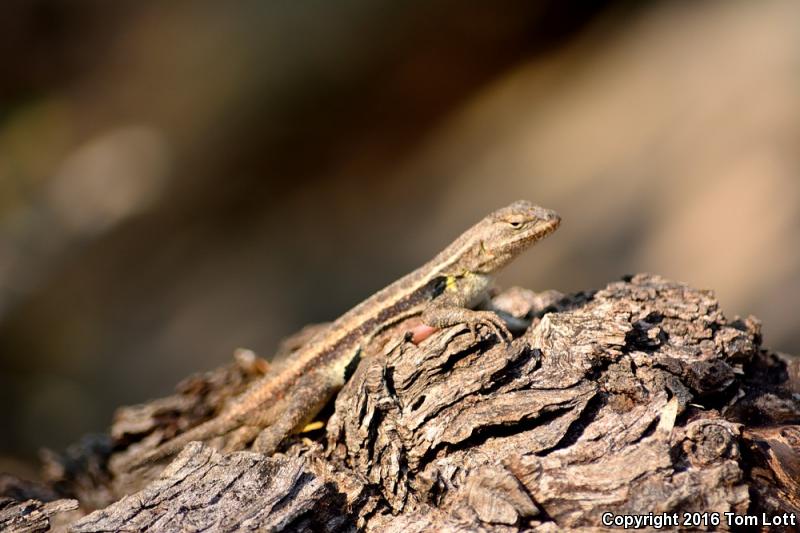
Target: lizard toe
{"type": "Point", "coordinates": [494, 324]}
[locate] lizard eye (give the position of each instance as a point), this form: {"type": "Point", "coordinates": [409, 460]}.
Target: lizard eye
{"type": "Point", "coordinates": [516, 224]}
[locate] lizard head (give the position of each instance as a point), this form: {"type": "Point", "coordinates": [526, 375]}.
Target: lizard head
{"type": "Point", "coordinates": [502, 235]}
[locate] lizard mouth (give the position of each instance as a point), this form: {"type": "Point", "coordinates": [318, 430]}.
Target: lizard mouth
{"type": "Point", "coordinates": [546, 227]}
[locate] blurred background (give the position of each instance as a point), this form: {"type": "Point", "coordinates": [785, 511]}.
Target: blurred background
{"type": "Point", "coordinates": [181, 179]}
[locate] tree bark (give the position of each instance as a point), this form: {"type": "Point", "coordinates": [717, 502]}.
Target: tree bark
{"type": "Point", "coordinates": [638, 399]}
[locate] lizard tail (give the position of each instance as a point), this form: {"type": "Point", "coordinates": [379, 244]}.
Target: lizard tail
{"type": "Point", "coordinates": [206, 430]}
{"type": "Point", "coordinates": [226, 421]}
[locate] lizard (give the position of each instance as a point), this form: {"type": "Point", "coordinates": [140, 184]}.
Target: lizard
{"type": "Point", "coordinates": [443, 292]}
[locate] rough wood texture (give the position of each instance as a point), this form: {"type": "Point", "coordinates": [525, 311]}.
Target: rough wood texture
{"type": "Point", "coordinates": [639, 398]}
{"type": "Point", "coordinates": [204, 489]}
{"type": "Point", "coordinates": [31, 516]}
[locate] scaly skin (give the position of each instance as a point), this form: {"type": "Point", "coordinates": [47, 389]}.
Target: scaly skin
{"type": "Point", "coordinates": [442, 292]}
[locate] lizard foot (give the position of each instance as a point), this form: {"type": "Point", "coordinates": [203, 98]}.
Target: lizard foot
{"type": "Point", "coordinates": [269, 439]}
{"type": "Point", "coordinates": [490, 321]}
{"type": "Point", "coordinates": [441, 317]}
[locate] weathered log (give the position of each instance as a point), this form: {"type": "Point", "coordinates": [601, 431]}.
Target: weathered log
{"type": "Point", "coordinates": [636, 399]}
{"type": "Point", "coordinates": [32, 516]}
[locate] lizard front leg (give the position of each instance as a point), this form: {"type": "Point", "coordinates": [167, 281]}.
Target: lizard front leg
{"type": "Point", "coordinates": [442, 317]}
{"type": "Point", "coordinates": [453, 307]}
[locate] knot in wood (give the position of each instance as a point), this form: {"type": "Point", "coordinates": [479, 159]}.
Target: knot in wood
{"type": "Point", "coordinates": [710, 441]}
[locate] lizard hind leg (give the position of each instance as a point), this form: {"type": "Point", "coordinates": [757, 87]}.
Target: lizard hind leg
{"type": "Point", "coordinates": [299, 407]}
{"type": "Point", "coordinates": [240, 437]}
{"type": "Point", "coordinates": [252, 427]}
{"type": "Point", "coordinates": [271, 437]}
